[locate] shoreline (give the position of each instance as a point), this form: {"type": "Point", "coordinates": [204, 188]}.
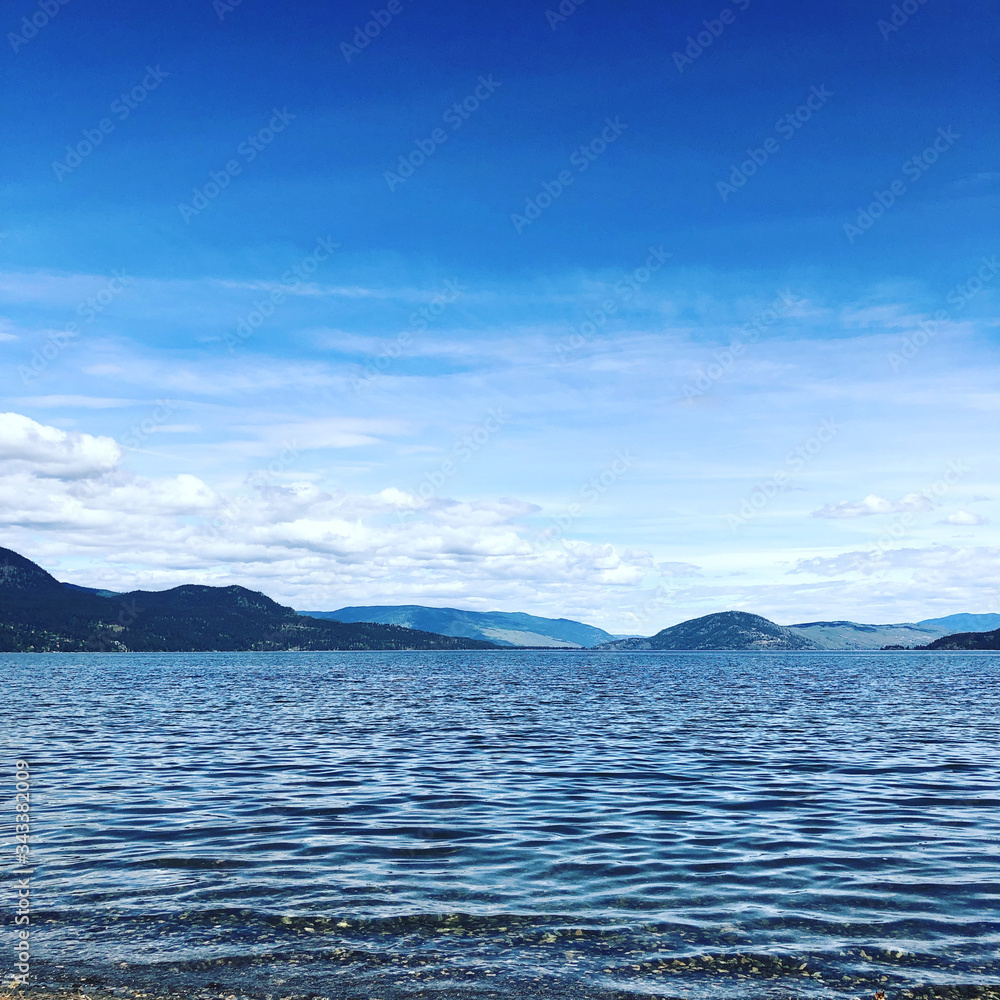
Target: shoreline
{"type": "Point", "coordinates": [95, 992]}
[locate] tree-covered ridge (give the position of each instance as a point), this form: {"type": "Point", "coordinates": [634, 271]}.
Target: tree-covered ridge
{"type": "Point", "coordinates": [39, 614]}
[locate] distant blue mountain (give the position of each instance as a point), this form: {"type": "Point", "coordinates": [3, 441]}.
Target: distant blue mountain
{"type": "Point", "coordinates": [720, 631]}
{"type": "Point", "coordinates": [723, 630]}
{"type": "Point", "coordinates": [962, 623]}
{"type": "Point", "coordinates": [739, 630]}
{"type": "Point", "coordinates": [505, 628]}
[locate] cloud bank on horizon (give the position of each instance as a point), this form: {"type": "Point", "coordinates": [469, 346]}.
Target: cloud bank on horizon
{"type": "Point", "coordinates": [625, 316]}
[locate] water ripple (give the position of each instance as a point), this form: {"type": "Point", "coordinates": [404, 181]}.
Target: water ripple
{"type": "Point", "coordinates": [513, 823]}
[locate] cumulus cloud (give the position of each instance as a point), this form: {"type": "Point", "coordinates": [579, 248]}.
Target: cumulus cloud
{"type": "Point", "coordinates": [873, 504]}
{"type": "Point", "coordinates": [965, 518]}
{"type": "Point", "coordinates": [48, 451]}
{"type": "Point", "coordinates": [313, 548]}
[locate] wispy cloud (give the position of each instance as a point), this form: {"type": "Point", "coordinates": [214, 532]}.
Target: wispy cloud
{"type": "Point", "coordinates": [75, 402]}
{"type": "Point", "coordinates": [873, 504]}
{"type": "Point", "coordinates": [622, 389]}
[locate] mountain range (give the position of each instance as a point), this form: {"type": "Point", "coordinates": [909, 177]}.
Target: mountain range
{"type": "Point", "coordinates": [504, 628]}
{"type": "Point", "coordinates": [741, 630]}
{"type": "Point", "coordinates": [40, 614]}
{"type": "Point", "coordinates": [724, 630]}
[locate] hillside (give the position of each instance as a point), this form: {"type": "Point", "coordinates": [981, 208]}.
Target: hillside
{"type": "Point", "coordinates": [725, 630]}
{"type": "Point", "coordinates": [40, 614]}
{"type": "Point", "coordinates": [503, 628]}
{"type": "Point", "coordinates": [967, 640]}
{"type": "Point", "coordinates": [852, 635]}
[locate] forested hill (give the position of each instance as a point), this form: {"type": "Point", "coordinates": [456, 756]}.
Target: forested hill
{"type": "Point", "coordinates": [40, 614]}
{"type": "Point", "coordinates": [967, 640]}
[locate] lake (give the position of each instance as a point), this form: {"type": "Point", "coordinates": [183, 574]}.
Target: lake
{"type": "Point", "coordinates": [509, 824]}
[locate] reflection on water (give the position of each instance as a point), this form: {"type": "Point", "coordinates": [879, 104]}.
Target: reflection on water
{"type": "Point", "coordinates": [517, 824]}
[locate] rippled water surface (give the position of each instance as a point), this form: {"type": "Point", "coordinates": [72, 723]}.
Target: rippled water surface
{"type": "Point", "coordinates": [510, 824]}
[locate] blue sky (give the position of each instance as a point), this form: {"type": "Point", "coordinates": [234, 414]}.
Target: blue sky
{"type": "Point", "coordinates": [642, 328]}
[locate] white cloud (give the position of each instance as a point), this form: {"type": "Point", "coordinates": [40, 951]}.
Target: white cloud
{"type": "Point", "coordinates": [178, 495]}
{"type": "Point", "coordinates": [49, 451]}
{"type": "Point", "coordinates": [330, 532]}
{"type": "Point", "coordinates": [965, 518]}
{"type": "Point", "coordinates": [306, 546]}
{"type": "Point", "coordinates": [873, 504]}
